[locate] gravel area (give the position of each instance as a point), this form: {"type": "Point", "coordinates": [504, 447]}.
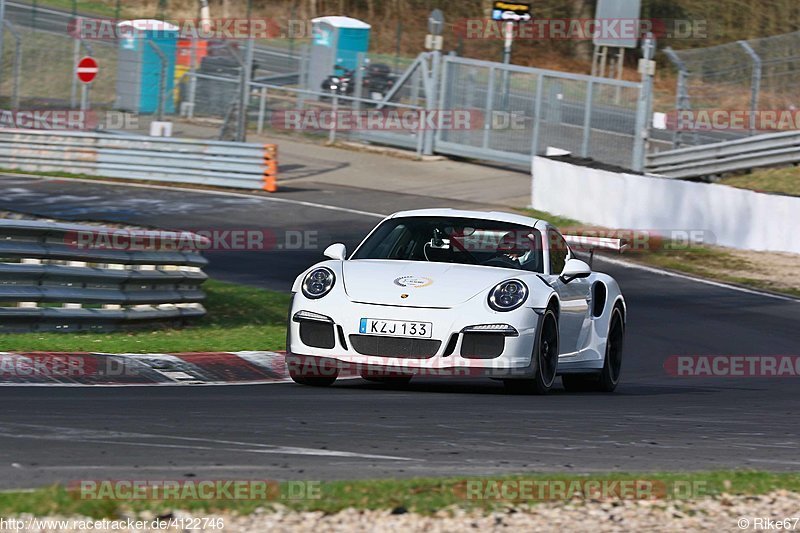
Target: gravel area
{"type": "Point", "coordinates": [719, 513]}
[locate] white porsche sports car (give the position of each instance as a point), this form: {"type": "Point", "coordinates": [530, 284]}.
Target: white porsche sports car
{"type": "Point", "coordinates": [443, 292]}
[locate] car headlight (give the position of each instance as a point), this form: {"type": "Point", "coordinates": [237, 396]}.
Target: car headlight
{"type": "Point", "coordinates": [508, 295]}
{"type": "Point", "coordinates": [318, 282]}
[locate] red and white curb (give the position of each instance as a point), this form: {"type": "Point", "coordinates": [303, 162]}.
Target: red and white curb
{"type": "Point", "coordinates": [194, 368]}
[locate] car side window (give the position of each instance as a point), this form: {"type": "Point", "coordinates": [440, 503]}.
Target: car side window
{"type": "Point", "coordinates": [558, 251]}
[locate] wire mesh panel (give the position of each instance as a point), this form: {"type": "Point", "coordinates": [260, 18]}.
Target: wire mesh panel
{"type": "Point", "coordinates": [755, 76]}
{"type": "Point", "coordinates": [612, 123]}
{"type": "Point", "coordinates": [527, 110]}
{"type": "Point", "coordinates": [780, 70]}
{"type": "Point", "coordinates": [465, 87]}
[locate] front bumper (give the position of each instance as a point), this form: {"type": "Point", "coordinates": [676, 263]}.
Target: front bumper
{"type": "Point", "coordinates": [449, 352]}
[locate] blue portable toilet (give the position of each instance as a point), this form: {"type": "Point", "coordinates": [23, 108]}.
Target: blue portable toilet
{"type": "Point", "coordinates": [335, 41]}
{"type": "Point", "coordinates": [139, 66]}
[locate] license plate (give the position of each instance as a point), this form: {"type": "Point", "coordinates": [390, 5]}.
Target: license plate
{"type": "Point", "coordinates": [395, 328]}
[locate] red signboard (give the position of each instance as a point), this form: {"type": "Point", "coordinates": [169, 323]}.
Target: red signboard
{"type": "Point", "coordinates": [87, 69]}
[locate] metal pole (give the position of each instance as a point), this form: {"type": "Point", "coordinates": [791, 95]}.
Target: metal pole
{"type": "Point", "coordinates": [73, 93]}
{"type": "Point", "coordinates": [332, 132]}
{"type": "Point", "coordinates": [682, 99]}
{"type": "Point", "coordinates": [2, 36]}
{"type": "Point", "coordinates": [262, 106]}
{"type": "Point", "coordinates": [84, 96]}
{"type": "Point", "coordinates": [397, 44]}
{"type": "Point", "coordinates": [587, 119]}
{"type": "Point", "coordinates": [17, 67]}
{"type": "Point", "coordinates": [162, 82]}
{"type": "Point", "coordinates": [244, 95]}
{"type": "Point", "coordinates": [431, 104]}
{"type": "Point", "coordinates": [508, 34]}
{"type": "Point", "coordinates": [292, 17]}
{"type": "Point", "coordinates": [489, 107]}
{"type": "Point", "coordinates": [17, 64]}
{"type": "Point", "coordinates": [192, 78]}
{"type": "Point", "coordinates": [755, 83]}
{"type": "Point", "coordinates": [537, 115]}
{"type": "Point", "coordinates": [508, 31]}
{"type": "Point", "coordinates": [642, 128]}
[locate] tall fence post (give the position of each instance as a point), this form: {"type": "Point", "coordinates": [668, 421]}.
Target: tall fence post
{"type": "Point", "coordinates": [682, 99]}
{"type": "Point", "coordinates": [755, 84]}
{"type": "Point", "coordinates": [335, 109]}
{"type": "Point", "coordinates": [162, 81]}
{"type": "Point", "coordinates": [244, 97]}
{"type": "Point", "coordinates": [192, 79]}
{"type": "Point", "coordinates": [587, 118]}
{"type": "Point", "coordinates": [2, 38]}
{"type": "Point", "coordinates": [537, 115]}
{"type": "Point", "coordinates": [76, 57]}
{"type": "Point", "coordinates": [642, 128]}
{"type": "Point", "coordinates": [489, 105]}
{"type": "Point", "coordinates": [262, 106]}
{"type": "Point", "coordinates": [17, 64]}
{"type": "Point", "coordinates": [431, 101]}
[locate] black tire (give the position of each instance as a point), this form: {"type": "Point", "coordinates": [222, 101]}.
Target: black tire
{"type": "Point", "coordinates": [608, 378]}
{"type": "Point", "coordinates": [544, 359]}
{"type": "Point", "coordinates": [303, 375]}
{"type": "Point", "coordinates": [389, 380]}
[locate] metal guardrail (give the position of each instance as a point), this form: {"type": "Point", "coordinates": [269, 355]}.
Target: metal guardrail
{"type": "Point", "coordinates": [139, 157]}
{"type": "Point", "coordinates": [65, 277]}
{"type": "Point", "coordinates": [729, 156]}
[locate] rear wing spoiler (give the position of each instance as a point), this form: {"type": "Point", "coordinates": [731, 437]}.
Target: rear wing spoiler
{"type": "Point", "coordinates": [590, 244]}
{"type": "Point", "coordinates": [585, 242]}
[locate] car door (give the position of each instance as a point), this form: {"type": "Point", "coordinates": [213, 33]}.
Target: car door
{"type": "Point", "coordinates": [575, 296]}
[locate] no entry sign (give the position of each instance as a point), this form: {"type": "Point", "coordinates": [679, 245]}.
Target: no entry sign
{"type": "Point", "coordinates": [87, 69]}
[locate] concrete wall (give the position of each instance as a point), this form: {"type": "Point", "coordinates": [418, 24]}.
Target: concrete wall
{"type": "Point", "coordinates": [735, 218]}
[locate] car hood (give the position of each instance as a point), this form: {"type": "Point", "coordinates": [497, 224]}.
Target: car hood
{"type": "Point", "coordinates": [424, 284]}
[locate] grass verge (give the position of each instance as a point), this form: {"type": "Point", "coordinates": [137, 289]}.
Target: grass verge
{"type": "Point", "coordinates": [422, 495]}
{"type": "Point", "coordinates": [769, 271]}
{"type": "Point", "coordinates": [239, 318]}
{"type": "Point", "coordinates": [784, 180]}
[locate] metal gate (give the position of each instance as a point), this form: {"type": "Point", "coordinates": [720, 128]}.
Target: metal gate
{"type": "Point", "coordinates": [525, 110]}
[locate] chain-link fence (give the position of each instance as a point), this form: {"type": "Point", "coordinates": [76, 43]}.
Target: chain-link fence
{"type": "Point", "coordinates": [430, 103]}
{"type": "Point", "coordinates": [528, 110]}
{"type": "Point", "coordinates": [752, 76]}
{"type": "Point", "coordinates": [39, 64]}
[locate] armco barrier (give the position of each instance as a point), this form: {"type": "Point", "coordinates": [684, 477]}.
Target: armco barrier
{"type": "Point", "coordinates": [723, 215]}
{"type": "Point", "coordinates": [66, 277]}
{"type": "Point", "coordinates": [765, 150]}
{"type": "Point", "coordinates": [139, 157]}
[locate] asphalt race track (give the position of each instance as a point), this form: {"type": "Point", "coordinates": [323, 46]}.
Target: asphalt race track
{"type": "Point", "coordinates": [432, 427]}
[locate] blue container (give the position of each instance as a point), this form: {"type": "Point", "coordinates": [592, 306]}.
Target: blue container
{"type": "Point", "coordinates": [337, 41]}
{"type": "Point", "coordinates": [139, 66]}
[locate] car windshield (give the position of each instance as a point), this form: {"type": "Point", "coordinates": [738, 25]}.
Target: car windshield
{"type": "Point", "coordinates": [464, 241]}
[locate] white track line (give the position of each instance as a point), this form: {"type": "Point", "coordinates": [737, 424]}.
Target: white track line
{"type": "Point", "coordinates": [653, 270]}
{"type": "Point", "coordinates": [225, 193]}
{"type": "Point", "coordinates": [617, 262]}
{"type": "Point", "coordinates": [125, 438]}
